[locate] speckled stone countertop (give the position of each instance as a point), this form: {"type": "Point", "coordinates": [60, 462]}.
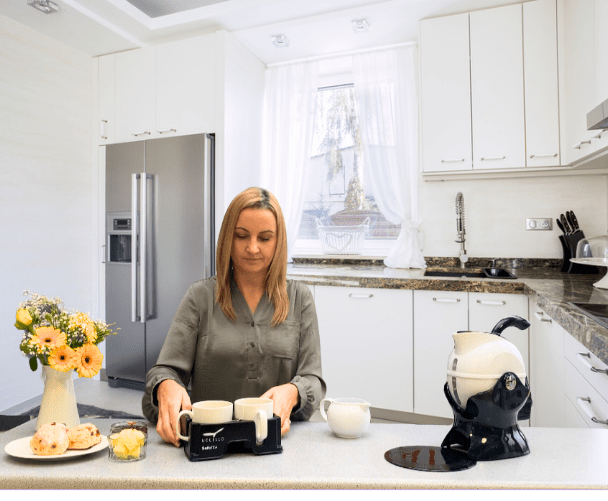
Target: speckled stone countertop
{"type": "Point", "coordinates": [553, 289]}
{"type": "Point", "coordinates": [313, 458]}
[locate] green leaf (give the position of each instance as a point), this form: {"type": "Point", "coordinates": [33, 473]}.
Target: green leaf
{"type": "Point", "coordinates": [34, 363]}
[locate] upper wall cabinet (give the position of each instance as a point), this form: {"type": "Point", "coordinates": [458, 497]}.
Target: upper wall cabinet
{"type": "Point", "coordinates": [160, 91]}
{"type": "Point", "coordinates": [584, 49]}
{"type": "Point", "coordinates": [445, 94]}
{"type": "Point", "coordinates": [489, 89]}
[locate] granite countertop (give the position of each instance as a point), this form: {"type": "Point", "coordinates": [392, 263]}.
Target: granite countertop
{"type": "Point", "coordinates": [313, 458]}
{"type": "Point", "coordinates": [552, 288]}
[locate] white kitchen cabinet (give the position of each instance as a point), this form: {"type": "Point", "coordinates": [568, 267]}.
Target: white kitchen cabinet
{"type": "Point", "coordinates": [165, 90]}
{"type": "Point", "coordinates": [547, 370]}
{"type": "Point", "coordinates": [541, 91]}
{"type": "Point", "coordinates": [366, 344]}
{"type": "Point", "coordinates": [586, 383]}
{"type": "Point", "coordinates": [135, 91]}
{"type": "Point", "coordinates": [576, 23]}
{"type": "Point", "coordinates": [105, 102]}
{"type": "Point", "coordinates": [445, 94]}
{"type": "Point", "coordinates": [497, 88]}
{"type": "Point", "coordinates": [185, 86]}
{"type": "Point", "coordinates": [600, 41]}
{"type": "Point", "coordinates": [437, 316]}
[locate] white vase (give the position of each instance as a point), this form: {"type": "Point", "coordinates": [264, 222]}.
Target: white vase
{"type": "Point", "coordinates": [58, 400]}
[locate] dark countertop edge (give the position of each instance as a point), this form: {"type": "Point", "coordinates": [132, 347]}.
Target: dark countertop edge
{"type": "Point", "coordinates": [585, 330]}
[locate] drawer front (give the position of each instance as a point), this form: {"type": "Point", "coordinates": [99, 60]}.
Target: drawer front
{"type": "Point", "coordinates": [588, 402]}
{"type": "Point", "coordinates": [591, 367]}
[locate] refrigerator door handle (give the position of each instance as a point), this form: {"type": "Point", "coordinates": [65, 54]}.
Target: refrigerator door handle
{"type": "Point", "coordinates": [143, 248]}
{"type": "Point", "coordinates": [134, 256]}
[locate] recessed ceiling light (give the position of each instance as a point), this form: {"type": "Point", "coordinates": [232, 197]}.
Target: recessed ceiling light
{"type": "Point", "coordinates": [280, 41]}
{"type": "Point", "coordinates": [45, 6]}
{"type": "Point", "coordinates": [360, 26]}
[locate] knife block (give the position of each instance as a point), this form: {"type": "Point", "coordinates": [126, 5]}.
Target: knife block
{"type": "Point", "coordinates": [569, 243]}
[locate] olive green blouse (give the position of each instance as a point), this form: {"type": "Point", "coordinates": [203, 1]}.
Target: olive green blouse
{"type": "Point", "coordinates": [224, 359]}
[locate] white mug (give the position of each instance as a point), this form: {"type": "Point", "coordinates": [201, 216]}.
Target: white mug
{"type": "Point", "coordinates": [347, 417]}
{"type": "Point", "coordinates": [259, 410]}
{"type": "Point", "coordinates": [206, 412]}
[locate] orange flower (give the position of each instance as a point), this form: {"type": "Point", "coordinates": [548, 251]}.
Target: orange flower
{"type": "Point", "coordinates": [88, 360]}
{"type": "Point", "coordinates": [51, 337]}
{"type": "Point", "coordinates": [62, 358]}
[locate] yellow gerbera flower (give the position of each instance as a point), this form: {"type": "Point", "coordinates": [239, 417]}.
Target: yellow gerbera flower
{"type": "Point", "coordinates": [62, 358]}
{"type": "Point", "coordinates": [88, 360]}
{"type": "Point", "coordinates": [51, 337]}
{"type": "Point", "coordinates": [24, 317]}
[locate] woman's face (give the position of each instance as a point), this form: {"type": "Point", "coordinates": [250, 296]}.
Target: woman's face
{"type": "Point", "coordinates": [254, 241]}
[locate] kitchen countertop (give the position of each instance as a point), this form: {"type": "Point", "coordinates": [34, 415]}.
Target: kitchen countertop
{"type": "Point", "coordinates": [553, 290]}
{"type": "Point", "coordinates": [313, 458]}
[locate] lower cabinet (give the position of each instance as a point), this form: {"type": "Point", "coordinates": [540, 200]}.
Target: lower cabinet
{"type": "Point", "coordinates": [366, 344]}
{"type": "Point", "coordinates": [547, 376]}
{"type": "Point", "coordinates": [438, 315]}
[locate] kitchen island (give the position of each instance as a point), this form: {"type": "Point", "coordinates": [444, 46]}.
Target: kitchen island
{"type": "Point", "coordinates": [313, 458]}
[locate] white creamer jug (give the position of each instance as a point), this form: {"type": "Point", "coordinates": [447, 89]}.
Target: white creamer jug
{"type": "Point", "coordinates": [347, 417]}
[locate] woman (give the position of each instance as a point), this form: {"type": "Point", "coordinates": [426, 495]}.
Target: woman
{"type": "Point", "coordinates": [245, 332]}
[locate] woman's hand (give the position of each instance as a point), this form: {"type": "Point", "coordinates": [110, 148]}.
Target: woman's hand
{"type": "Point", "coordinates": [172, 397]}
{"type": "Point", "coordinates": [285, 398]}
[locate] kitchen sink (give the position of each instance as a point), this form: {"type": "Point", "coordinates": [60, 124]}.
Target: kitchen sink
{"type": "Point", "coordinates": [483, 273]}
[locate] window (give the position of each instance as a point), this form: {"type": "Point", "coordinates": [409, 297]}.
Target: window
{"type": "Point", "coordinates": [338, 194]}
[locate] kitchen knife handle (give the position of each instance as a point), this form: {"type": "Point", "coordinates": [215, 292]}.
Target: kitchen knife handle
{"type": "Point", "coordinates": [565, 223]}
{"type": "Point", "coordinates": [574, 221]}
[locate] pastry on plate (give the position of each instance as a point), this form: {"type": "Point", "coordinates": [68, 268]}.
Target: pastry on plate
{"type": "Point", "coordinates": [84, 436]}
{"type": "Point", "coordinates": [51, 439]}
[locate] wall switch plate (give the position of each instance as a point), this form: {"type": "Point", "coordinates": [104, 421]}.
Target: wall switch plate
{"type": "Point", "coordinates": [539, 223]}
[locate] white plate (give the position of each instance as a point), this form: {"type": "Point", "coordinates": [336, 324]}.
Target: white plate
{"type": "Point", "coordinates": [20, 448]}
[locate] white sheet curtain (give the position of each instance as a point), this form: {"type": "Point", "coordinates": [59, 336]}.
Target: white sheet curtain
{"type": "Point", "coordinates": [289, 101]}
{"type": "Point", "coordinates": [385, 84]}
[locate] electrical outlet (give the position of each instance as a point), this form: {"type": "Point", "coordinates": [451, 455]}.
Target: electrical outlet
{"type": "Point", "coordinates": [539, 223]}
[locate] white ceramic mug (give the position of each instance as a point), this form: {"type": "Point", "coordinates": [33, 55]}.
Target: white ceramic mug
{"type": "Point", "coordinates": [347, 417]}
{"type": "Point", "coordinates": [258, 410]}
{"type": "Point", "coordinates": [206, 412]}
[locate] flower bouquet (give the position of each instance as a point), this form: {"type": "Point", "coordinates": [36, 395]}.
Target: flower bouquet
{"type": "Point", "coordinates": [63, 340]}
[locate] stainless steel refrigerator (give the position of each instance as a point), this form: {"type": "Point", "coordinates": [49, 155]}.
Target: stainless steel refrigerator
{"type": "Point", "coordinates": [160, 239]}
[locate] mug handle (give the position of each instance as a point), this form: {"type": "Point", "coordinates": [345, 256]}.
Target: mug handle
{"type": "Point", "coordinates": [322, 407]}
{"type": "Point", "coordinates": [261, 426]}
{"type": "Point", "coordinates": [177, 424]}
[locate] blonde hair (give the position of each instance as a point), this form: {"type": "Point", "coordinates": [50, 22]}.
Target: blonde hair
{"type": "Point", "coordinates": [276, 285]}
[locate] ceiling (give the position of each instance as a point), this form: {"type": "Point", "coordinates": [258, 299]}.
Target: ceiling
{"type": "Point", "coordinates": [314, 27]}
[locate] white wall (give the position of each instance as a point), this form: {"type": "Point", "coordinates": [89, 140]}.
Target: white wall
{"type": "Point", "coordinates": [45, 192]}
{"type": "Point", "coordinates": [238, 146]}
{"type": "Point", "coordinates": [496, 210]}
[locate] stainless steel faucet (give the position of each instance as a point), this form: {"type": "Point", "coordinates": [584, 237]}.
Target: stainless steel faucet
{"type": "Point", "coordinates": [460, 239]}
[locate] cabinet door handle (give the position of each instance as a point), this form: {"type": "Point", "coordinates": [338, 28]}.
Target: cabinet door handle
{"type": "Point", "coordinates": [103, 254]}
{"type": "Point", "coordinates": [544, 155]}
{"type": "Point", "coordinates": [578, 146]}
{"type": "Point", "coordinates": [540, 316]}
{"type": "Point", "coordinates": [492, 158]}
{"type": "Point", "coordinates": [446, 300]}
{"type": "Point", "coordinates": [102, 129]}
{"type": "Point", "coordinates": [599, 134]}
{"type": "Point", "coordinates": [143, 133]}
{"type": "Point", "coordinates": [491, 303]}
{"type": "Point", "coordinates": [361, 296]}
{"type": "Point", "coordinates": [452, 160]}
{"type": "Point", "coordinates": [164, 131]}
{"type": "Point", "coordinates": [585, 404]}
{"type": "Point", "coordinates": [585, 358]}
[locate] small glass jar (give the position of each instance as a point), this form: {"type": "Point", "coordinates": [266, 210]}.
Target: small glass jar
{"type": "Point", "coordinates": [128, 441]}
